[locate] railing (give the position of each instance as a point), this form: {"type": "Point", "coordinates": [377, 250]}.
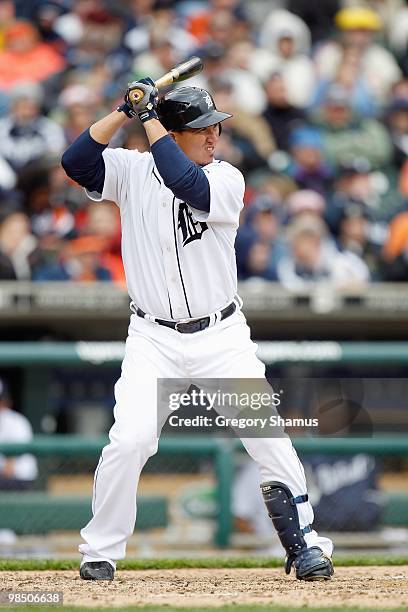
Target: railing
{"type": "Point", "coordinates": [222, 451]}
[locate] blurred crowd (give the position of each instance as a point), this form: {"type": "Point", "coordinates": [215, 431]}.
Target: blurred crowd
{"type": "Point", "coordinates": [319, 97]}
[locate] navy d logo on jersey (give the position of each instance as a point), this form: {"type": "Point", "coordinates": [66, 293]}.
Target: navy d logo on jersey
{"type": "Point", "coordinates": [191, 229]}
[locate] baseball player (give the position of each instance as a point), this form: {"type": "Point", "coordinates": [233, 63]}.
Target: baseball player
{"type": "Point", "coordinates": [180, 211]}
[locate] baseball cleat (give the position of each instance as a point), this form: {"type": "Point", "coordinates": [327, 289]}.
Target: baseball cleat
{"type": "Point", "coordinates": [312, 565]}
{"type": "Point", "coordinates": [96, 570]}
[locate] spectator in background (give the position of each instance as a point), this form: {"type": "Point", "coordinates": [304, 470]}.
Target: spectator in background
{"type": "Point", "coordinates": [318, 15]}
{"type": "Point", "coordinates": [224, 21]}
{"type": "Point", "coordinates": [258, 245]}
{"type": "Point", "coordinates": [16, 473]}
{"type": "Point", "coordinates": [308, 167]}
{"type": "Point", "coordinates": [397, 121]}
{"type": "Point", "coordinates": [285, 46]}
{"type": "Point", "coordinates": [80, 262]}
{"type": "Point", "coordinates": [357, 182]}
{"type": "Point", "coordinates": [358, 27]}
{"type": "Point", "coordinates": [394, 264]}
{"type": "Point", "coordinates": [160, 22]}
{"type": "Point", "coordinates": [280, 114]}
{"type": "Point", "coordinates": [25, 134]}
{"type": "Point", "coordinates": [248, 127]}
{"type": "Point", "coordinates": [313, 258]}
{"type": "Point", "coordinates": [26, 58]}
{"type": "Point", "coordinates": [355, 236]}
{"type": "Point", "coordinates": [242, 78]}
{"type": "Point", "coordinates": [346, 136]}
{"type": "Point", "coordinates": [46, 16]}
{"type": "Point", "coordinates": [159, 58]}
{"type": "Point", "coordinates": [135, 138]}
{"type": "Point", "coordinates": [48, 201]}
{"type": "Point", "coordinates": [353, 184]}
{"type": "Point", "coordinates": [7, 18]}
{"type": "Point", "coordinates": [80, 103]}
{"type": "Point", "coordinates": [18, 247]}
{"type": "Point", "coordinates": [213, 56]}
{"type": "Point", "coordinates": [349, 76]}
{"type": "Point", "coordinates": [103, 220]}
{"type": "Point", "coordinates": [393, 16]}
{"type": "Point", "coordinates": [305, 202]}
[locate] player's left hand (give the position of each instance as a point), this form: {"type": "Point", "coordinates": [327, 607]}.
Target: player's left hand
{"type": "Point", "coordinates": [146, 107]}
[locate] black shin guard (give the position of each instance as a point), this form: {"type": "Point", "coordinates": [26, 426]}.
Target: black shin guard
{"type": "Point", "coordinates": [281, 506]}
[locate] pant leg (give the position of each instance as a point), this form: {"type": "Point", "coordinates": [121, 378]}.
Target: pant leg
{"type": "Point", "coordinates": [133, 439]}
{"type": "Point", "coordinates": [232, 354]}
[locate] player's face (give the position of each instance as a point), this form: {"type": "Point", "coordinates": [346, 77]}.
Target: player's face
{"type": "Point", "coordinates": [199, 144]}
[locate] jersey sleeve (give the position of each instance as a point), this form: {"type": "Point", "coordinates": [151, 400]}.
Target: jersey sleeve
{"type": "Point", "coordinates": [227, 186]}
{"type": "Point", "coordinates": [117, 171]}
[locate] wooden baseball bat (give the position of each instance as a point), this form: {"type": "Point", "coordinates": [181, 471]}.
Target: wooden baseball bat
{"type": "Point", "coordinates": [181, 72]}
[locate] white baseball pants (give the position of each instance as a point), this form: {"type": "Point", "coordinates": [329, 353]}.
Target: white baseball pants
{"type": "Point", "coordinates": [154, 351]}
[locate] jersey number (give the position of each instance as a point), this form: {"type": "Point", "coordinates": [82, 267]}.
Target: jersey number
{"type": "Point", "coordinates": [191, 230]}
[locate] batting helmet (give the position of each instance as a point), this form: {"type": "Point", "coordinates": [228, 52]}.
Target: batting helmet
{"type": "Point", "coordinates": [188, 107]}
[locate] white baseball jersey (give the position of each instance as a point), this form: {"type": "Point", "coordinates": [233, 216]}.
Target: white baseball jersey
{"type": "Point", "coordinates": [179, 261]}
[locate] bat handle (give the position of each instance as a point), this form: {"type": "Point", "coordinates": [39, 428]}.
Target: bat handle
{"type": "Point", "coordinates": [136, 95]}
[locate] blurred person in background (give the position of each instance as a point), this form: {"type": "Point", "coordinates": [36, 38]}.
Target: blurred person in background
{"type": "Point", "coordinates": [71, 25]}
{"type": "Point", "coordinates": [213, 56]}
{"type": "Point", "coordinates": [313, 258]}
{"type": "Point", "coordinates": [135, 138]}
{"type": "Point", "coordinates": [80, 261]}
{"type": "Point", "coordinates": [346, 136]}
{"type": "Point", "coordinates": [349, 76]}
{"type": "Point", "coordinates": [160, 20]}
{"type": "Point", "coordinates": [50, 201]}
{"type": "Point", "coordinates": [159, 58]}
{"type": "Point", "coordinates": [25, 134]}
{"type": "Point", "coordinates": [355, 235]}
{"type": "Point", "coordinates": [80, 104]}
{"type": "Point", "coordinates": [243, 80]}
{"type": "Point", "coordinates": [397, 121]}
{"type": "Point", "coordinates": [357, 181]}
{"type": "Point", "coordinates": [101, 43]}
{"type": "Point", "coordinates": [7, 18]}
{"type": "Point", "coordinates": [45, 19]}
{"type": "Point", "coordinates": [258, 245]}
{"type": "Point", "coordinates": [26, 58]}
{"type": "Point", "coordinates": [18, 247]}
{"type": "Point", "coordinates": [393, 14]}
{"type": "Point", "coordinates": [308, 166]}
{"type": "Point", "coordinates": [103, 220]}
{"type": "Point", "coordinates": [249, 128]}
{"type": "Point", "coordinates": [394, 263]}
{"type": "Point", "coordinates": [305, 202]}
{"type": "Point", "coordinates": [217, 21]}
{"type": "Point", "coordinates": [318, 15]}
{"type": "Point", "coordinates": [284, 47]}
{"type": "Point", "coordinates": [357, 30]}
{"type": "Point", "coordinates": [280, 114]}
{"type": "Point", "coordinates": [16, 473]}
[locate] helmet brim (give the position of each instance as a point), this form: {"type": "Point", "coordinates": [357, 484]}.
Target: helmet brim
{"type": "Point", "coordinates": [211, 118]}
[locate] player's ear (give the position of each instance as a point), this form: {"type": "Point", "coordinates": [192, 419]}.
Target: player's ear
{"type": "Point", "coordinates": [172, 134]}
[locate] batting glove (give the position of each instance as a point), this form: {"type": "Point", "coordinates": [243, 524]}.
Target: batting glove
{"type": "Point", "coordinates": [145, 109]}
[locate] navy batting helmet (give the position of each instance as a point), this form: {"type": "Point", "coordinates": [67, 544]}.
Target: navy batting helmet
{"type": "Point", "coordinates": [188, 108]}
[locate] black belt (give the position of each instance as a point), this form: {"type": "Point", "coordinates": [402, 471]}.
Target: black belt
{"type": "Point", "coordinates": [190, 327]}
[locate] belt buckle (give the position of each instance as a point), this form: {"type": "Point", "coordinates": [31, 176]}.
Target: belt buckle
{"type": "Point", "coordinates": [182, 322]}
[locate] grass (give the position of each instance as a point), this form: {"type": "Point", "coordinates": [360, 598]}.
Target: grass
{"type": "Point", "coordinates": [203, 563]}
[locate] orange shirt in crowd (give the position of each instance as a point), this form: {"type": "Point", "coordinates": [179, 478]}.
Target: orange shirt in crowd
{"type": "Point", "coordinates": [25, 58]}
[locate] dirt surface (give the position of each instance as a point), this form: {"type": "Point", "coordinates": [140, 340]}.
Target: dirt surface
{"type": "Point", "coordinates": [372, 587]}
